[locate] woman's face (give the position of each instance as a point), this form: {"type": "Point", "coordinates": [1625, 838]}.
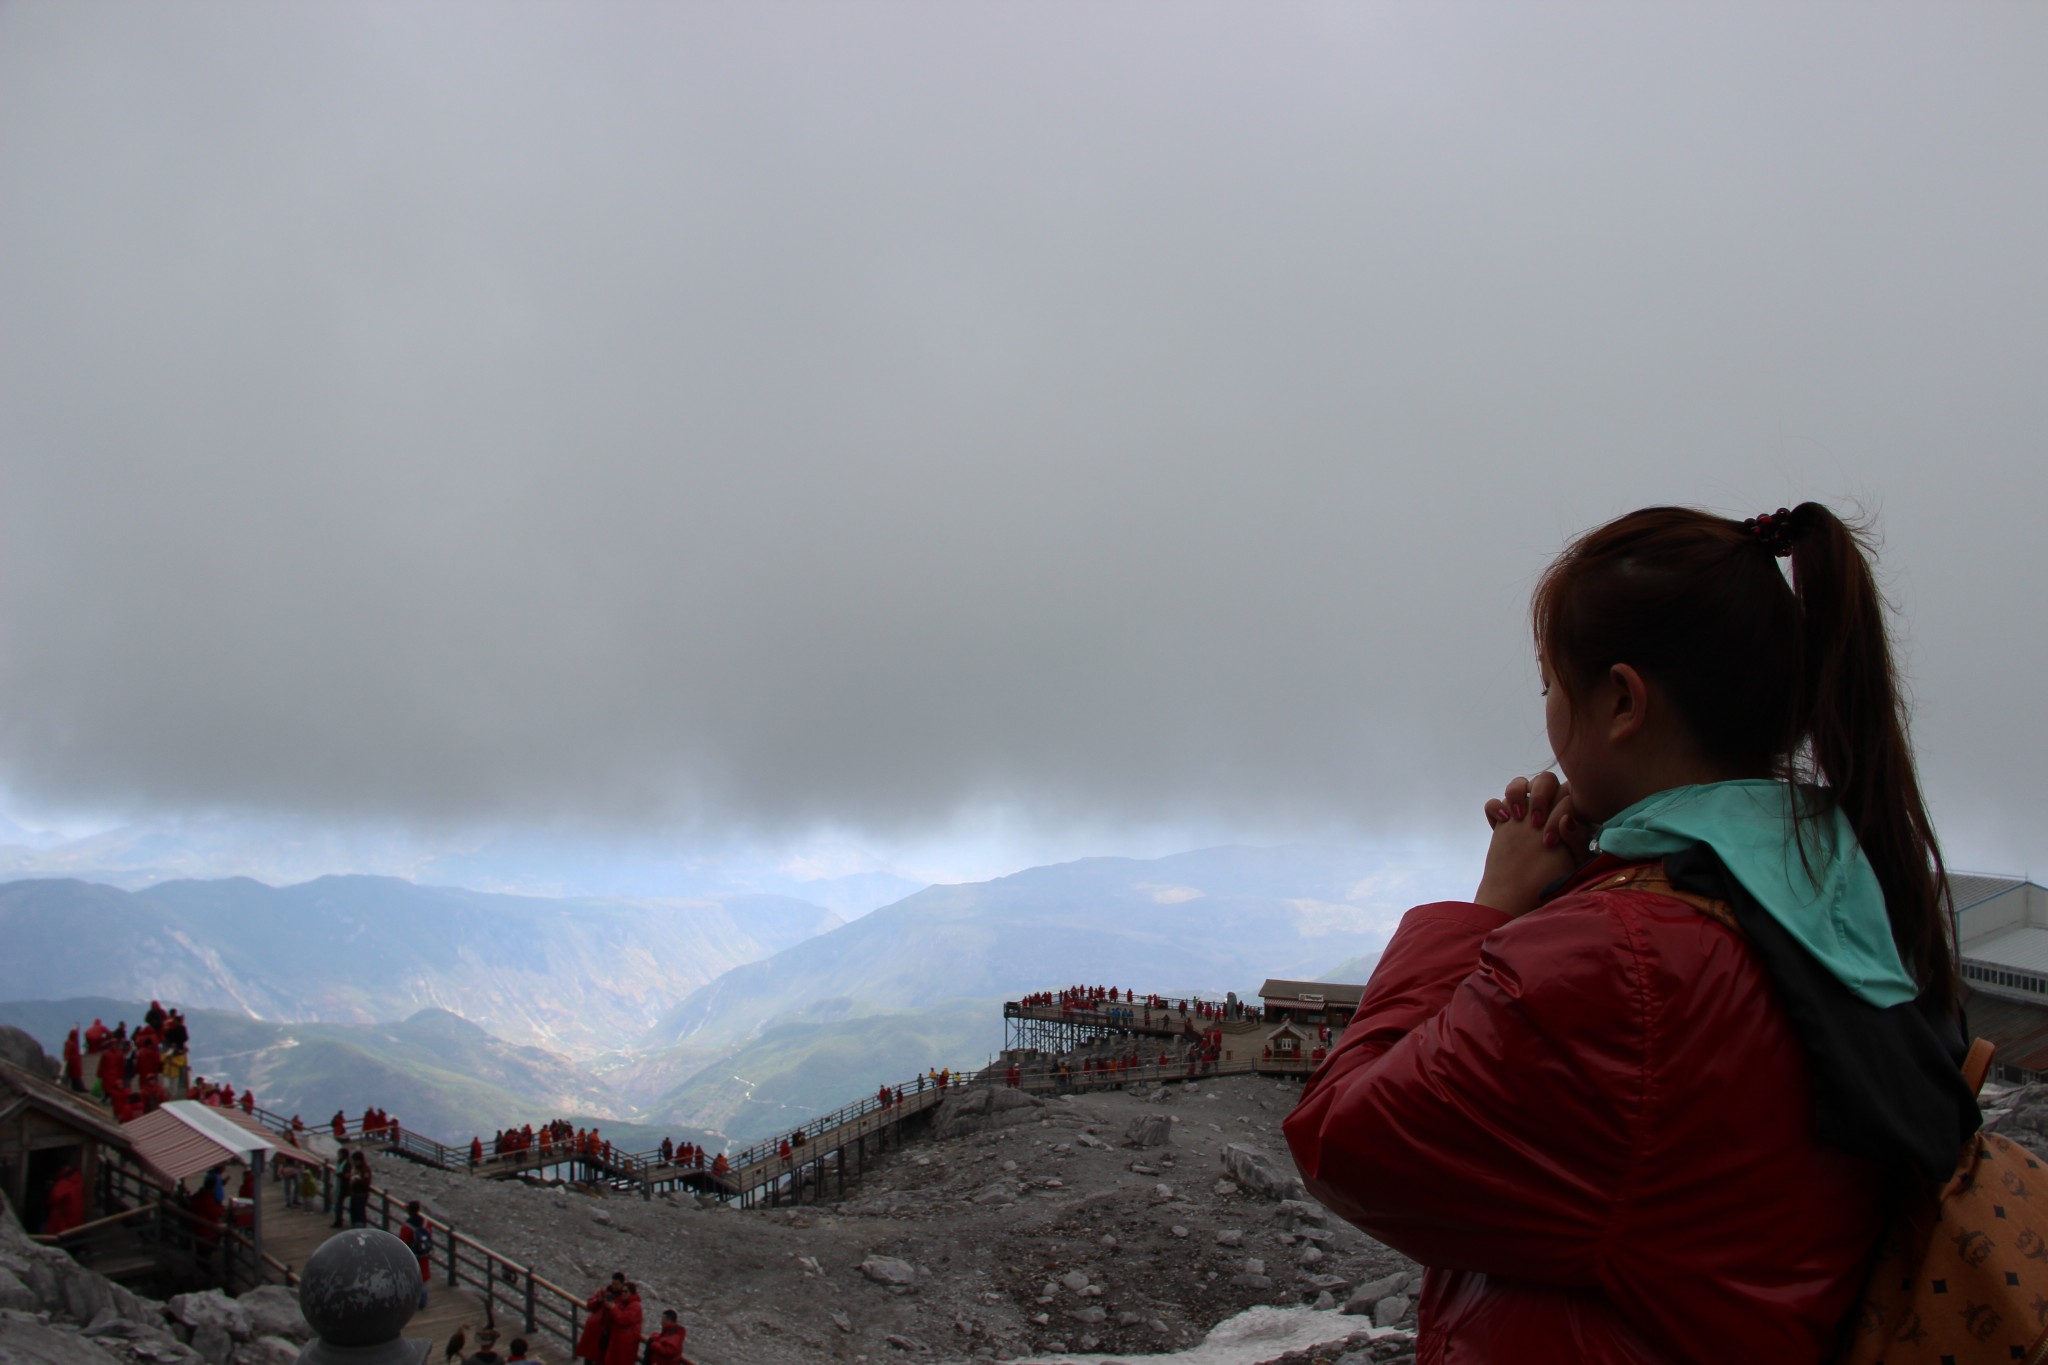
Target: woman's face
{"type": "Point", "coordinates": [1557, 719]}
{"type": "Point", "coordinates": [1575, 742]}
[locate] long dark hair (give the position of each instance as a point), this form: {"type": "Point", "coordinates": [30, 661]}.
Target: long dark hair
{"type": "Point", "coordinates": [1793, 680]}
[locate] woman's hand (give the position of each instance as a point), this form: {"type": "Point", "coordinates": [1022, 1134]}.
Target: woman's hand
{"type": "Point", "coordinates": [1537, 838]}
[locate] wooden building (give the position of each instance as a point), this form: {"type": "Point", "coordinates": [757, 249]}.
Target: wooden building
{"type": "Point", "coordinates": [43, 1128]}
{"type": "Point", "coordinates": [1312, 1003]}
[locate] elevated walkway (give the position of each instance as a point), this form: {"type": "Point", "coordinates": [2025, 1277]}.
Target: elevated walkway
{"type": "Point", "coordinates": [838, 1145]}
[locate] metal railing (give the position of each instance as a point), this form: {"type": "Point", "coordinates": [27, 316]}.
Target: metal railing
{"type": "Point", "coordinates": [505, 1285]}
{"type": "Point", "coordinates": [180, 1238]}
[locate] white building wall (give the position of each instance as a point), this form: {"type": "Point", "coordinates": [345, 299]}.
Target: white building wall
{"type": "Point", "coordinates": [1988, 919]}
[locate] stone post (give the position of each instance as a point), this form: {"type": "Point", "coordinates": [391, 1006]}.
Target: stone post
{"type": "Point", "coordinates": [358, 1291]}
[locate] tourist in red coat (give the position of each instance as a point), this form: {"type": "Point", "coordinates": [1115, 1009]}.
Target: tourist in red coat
{"type": "Point", "coordinates": [74, 1069]}
{"type": "Point", "coordinates": [666, 1346]}
{"type": "Point", "coordinates": [1647, 1109]}
{"type": "Point", "coordinates": [67, 1201]}
{"type": "Point", "coordinates": [622, 1347]}
{"type": "Point", "coordinates": [592, 1343]}
{"type": "Point", "coordinates": [113, 1069]}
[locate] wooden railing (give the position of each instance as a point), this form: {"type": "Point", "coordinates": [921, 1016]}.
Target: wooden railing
{"type": "Point", "coordinates": [178, 1235]}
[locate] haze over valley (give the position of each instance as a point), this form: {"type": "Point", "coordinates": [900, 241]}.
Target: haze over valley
{"type": "Point", "coordinates": [462, 1010]}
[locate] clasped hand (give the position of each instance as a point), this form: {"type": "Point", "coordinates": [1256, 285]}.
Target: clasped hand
{"type": "Point", "coordinates": [1537, 838]}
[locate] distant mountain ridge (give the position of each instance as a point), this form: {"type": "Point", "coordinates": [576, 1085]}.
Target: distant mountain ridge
{"type": "Point", "coordinates": [921, 982]}
{"type": "Point", "coordinates": [577, 976]}
{"type": "Point", "coordinates": [439, 1074]}
{"type": "Point", "coordinates": [283, 852]}
{"type": "Point", "coordinates": [1213, 920]}
{"type": "Point", "coordinates": [741, 1014]}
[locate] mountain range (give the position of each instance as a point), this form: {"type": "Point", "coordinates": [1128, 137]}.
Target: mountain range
{"type": "Point", "coordinates": [1211, 921]}
{"type": "Point", "coordinates": [284, 852]}
{"type": "Point", "coordinates": [436, 1072]}
{"type": "Point", "coordinates": [922, 982]}
{"type": "Point", "coordinates": [742, 1014]}
{"type": "Point", "coordinates": [576, 976]}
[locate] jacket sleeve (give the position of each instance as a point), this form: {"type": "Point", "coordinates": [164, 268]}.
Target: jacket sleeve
{"type": "Point", "coordinates": [1481, 1111]}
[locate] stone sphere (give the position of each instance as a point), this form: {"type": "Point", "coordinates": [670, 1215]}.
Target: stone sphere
{"type": "Point", "coordinates": [360, 1288]}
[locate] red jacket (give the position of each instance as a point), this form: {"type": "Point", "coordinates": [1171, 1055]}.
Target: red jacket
{"type": "Point", "coordinates": [666, 1348]}
{"type": "Point", "coordinates": [1592, 1124]}
{"type": "Point", "coordinates": [67, 1204]}
{"type": "Point", "coordinates": [590, 1345]}
{"type": "Point", "coordinates": [623, 1346]}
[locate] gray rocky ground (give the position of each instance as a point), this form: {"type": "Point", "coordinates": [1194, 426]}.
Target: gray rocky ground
{"type": "Point", "coordinates": [54, 1311]}
{"type": "Point", "coordinates": [1120, 1222]}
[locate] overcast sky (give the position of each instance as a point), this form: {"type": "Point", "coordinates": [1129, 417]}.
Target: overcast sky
{"type": "Point", "coordinates": [1091, 419]}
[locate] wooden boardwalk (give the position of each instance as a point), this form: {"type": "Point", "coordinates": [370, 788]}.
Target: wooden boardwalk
{"type": "Point", "coordinates": [293, 1235]}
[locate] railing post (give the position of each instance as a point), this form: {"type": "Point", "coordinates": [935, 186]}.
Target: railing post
{"type": "Point", "coordinates": [384, 1210]}
{"type": "Point", "coordinates": [453, 1246]}
{"type": "Point", "coordinates": [529, 1301]}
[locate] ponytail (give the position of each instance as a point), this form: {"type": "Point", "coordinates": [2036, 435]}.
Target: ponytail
{"type": "Point", "coordinates": [1856, 748]}
{"type": "Point", "coordinates": [1794, 680]}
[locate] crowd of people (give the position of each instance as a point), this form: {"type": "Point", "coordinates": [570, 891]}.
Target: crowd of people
{"type": "Point", "coordinates": [1128, 1007]}
{"type": "Point", "coordinates": [133, 1072]}
{"type": "Point", "coordinates": [612, 1332]}
{"type": "Point", "coordinates": [686, 1154]}
{"type": "Point", "coordinates": [376, 1125]}
{"type": "Point", "coordinates": [555, 1140]}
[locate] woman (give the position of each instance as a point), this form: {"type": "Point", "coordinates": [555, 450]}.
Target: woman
{"type": "Point", "coordinates": [1644, 1102]}
{"type": "Point", "coordinates": [623, 1345]}
{"type": "Point", "coordinates": [593, 1343]}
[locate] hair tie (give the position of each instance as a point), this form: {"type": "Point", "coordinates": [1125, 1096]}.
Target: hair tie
{"type": "Point", "coordinates": [1774, 530]}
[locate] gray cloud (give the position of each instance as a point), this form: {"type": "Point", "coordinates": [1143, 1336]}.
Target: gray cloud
{"type": "Point", "coordinates": [768, 415]}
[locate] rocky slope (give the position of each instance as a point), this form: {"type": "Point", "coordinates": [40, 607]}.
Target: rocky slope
{"type": "Point", "coordinates": [54, 1311]}
{"type": "Point", "coordinates": [1120, 1222]}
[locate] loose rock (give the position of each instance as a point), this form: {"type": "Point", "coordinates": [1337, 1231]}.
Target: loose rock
{"type": "Point", "coordinates": [888, 1270]}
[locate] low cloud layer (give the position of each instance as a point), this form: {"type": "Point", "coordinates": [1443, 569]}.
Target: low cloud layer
{"type": "Point", "coordinates": [761, 417]}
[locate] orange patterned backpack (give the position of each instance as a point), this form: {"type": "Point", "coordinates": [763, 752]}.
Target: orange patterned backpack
{"type": "Point", "coordinates": [1962, 1274]}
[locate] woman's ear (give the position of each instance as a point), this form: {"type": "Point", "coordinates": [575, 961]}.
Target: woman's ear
{"type": "Point", "coordinates": [1628, 703]}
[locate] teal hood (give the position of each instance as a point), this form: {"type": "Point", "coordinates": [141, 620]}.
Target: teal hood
{"type": "Point", "coordinates": [1835, 909]}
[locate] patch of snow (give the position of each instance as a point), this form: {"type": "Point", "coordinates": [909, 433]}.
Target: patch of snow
{"type": "Point", "coordinates": [1253, 1335]}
